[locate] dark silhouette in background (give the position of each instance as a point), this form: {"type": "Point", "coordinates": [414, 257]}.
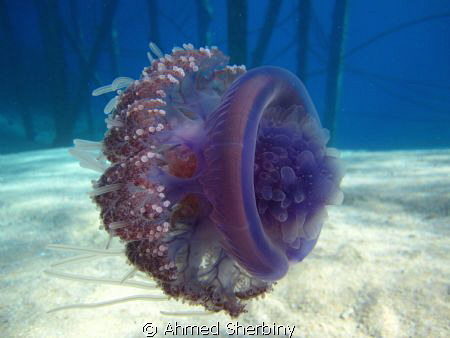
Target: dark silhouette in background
{"type": "Point", "coordinates": [54, 82]}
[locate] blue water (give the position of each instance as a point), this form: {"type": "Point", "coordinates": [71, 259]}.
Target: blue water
{"type": "Point", "coordinates": [394, 90]}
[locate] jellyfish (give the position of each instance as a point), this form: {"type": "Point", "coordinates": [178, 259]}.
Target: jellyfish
{"type": "Point", "coordinates": [216, 179]}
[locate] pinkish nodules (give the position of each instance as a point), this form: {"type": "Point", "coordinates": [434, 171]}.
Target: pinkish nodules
{"type": "Point", "coordinates": [219, 177]}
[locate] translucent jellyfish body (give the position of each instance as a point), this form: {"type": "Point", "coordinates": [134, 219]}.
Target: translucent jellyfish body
{"type": "Point", "coordinates": [217, 178]}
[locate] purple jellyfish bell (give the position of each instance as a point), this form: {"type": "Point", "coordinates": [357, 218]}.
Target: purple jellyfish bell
{"type": "Point", "coordinates": [267, 174]}
{"type": "Point", "coordinates": [219, 178]}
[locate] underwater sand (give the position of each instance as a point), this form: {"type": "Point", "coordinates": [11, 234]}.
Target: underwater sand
{"type": "Point", "coordinates": [381, 267]}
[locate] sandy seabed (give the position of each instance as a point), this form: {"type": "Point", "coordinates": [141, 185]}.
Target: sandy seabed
{"type": "Point", "coordinates": [381, 267]}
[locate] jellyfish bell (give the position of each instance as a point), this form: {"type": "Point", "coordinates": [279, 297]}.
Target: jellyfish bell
{"type": "Point", "coordinates": [216, 179]}
{"type": "Point", "coordinates": [263, 114]}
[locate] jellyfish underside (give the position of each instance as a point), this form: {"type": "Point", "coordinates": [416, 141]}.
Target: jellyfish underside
{"type": "Point", "coordinates": [222, 190]}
